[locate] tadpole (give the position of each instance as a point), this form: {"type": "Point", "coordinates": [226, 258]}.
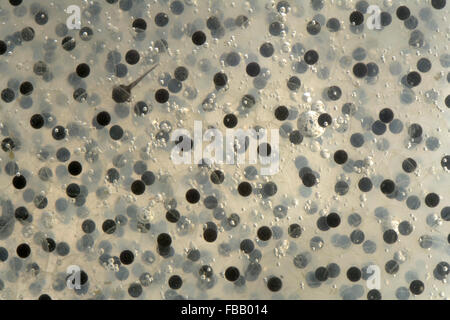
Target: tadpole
{"type": "Point", "coordinates": [122, 93]}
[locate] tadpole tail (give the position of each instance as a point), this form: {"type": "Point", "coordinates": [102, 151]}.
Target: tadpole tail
{"type": "Point", "coordinates": [135, 82]}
